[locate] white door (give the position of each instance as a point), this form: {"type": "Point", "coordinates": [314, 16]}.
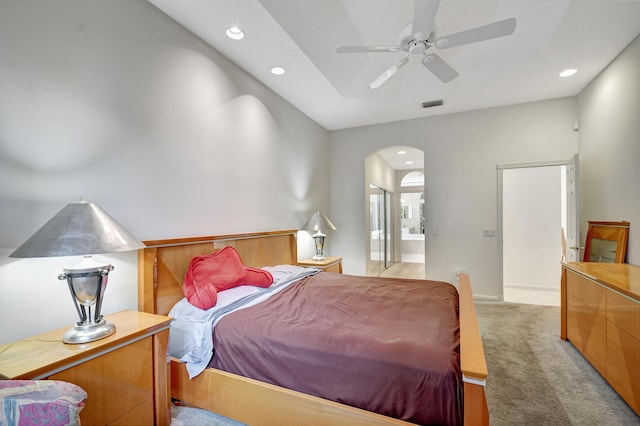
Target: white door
{"type": "Point", "coordinates": [573, 219]}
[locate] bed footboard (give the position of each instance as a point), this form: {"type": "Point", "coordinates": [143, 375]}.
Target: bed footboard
{"type": "Point", "coordinates": [254, 402]}
{"type": "Point", "coordinates": [472, 359]}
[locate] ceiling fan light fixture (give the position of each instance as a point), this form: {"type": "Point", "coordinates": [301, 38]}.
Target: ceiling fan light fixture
{"type": "Point", "coordinates": [235, 33]}
{"type": "Point", "coordinates": [568, 72]}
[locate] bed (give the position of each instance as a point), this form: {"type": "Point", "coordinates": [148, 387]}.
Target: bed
{"type": "Point", "coordinates": [162, 267]}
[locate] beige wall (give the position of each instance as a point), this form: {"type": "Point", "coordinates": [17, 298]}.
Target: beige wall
{"type": "Point", "coordinates": [610, 147]}
{"type": "Point", "coordinates": [115, 102]}
{"type": "Point", "coordinates": [461, 154]}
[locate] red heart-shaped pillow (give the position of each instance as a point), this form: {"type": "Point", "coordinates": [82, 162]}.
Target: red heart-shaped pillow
{"type": "Point", "coordinates": [210, 273]}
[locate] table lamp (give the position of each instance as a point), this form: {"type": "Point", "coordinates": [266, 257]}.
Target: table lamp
{"type": "Point", "coordinates": [82, 228]}
{"type": "Point", "coordinates": [317, 222]}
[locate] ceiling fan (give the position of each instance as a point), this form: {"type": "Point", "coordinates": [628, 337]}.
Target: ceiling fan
{"type": "Point", "coordinates": [420, 36]}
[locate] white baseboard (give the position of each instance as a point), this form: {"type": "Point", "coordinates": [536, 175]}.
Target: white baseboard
{"type": "Point", "coordinates": [483, 298]}
{"type": "Point", "coordinates": [532, 287]}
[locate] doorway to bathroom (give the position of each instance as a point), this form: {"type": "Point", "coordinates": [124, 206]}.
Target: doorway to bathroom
{"type": "Point", "coordinates": [396, 213]}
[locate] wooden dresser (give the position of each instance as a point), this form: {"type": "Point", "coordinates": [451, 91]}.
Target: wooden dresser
{"type": "Point", "coordinates": [600, 315]}
{"type": "Point", "coordinates": [125, 375]}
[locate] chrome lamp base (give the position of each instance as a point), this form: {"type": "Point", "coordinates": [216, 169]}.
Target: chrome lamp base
{"type": "Point", "coordinates": [319, 237]}
{"type": "Point", "coordinates": [87, 282]}
{"type": "Point", "coordinates": [84, 333]}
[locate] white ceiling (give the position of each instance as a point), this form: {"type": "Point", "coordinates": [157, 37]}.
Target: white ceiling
{"type": "Point", "coordinates": [402, 157]}
{"type": "Point", "coordinates": [331, 88]}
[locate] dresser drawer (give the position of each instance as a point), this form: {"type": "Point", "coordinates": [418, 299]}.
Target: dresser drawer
{"type": "Point", "coordinates": [588, 292]}
{"type": "Point", "coordinates": [587, 330]}
{"type": "Point", "coordinates": [623, 364]}
{"type": "Point", "coordinates": [624, 313]}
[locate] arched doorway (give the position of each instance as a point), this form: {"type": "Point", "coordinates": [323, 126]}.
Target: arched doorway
{"type": "Point", "coordinates": [395, 217]}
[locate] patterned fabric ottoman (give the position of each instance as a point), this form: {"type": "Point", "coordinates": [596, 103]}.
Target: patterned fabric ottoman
{"type": "Point", "coordinates": [40, 402]}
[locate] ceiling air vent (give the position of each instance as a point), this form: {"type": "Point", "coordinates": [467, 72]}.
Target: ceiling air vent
{"type": "Point", "coordinates": [432, 103]}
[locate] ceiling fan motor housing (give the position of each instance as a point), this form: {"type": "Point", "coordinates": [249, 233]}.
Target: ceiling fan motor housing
{"type": "Point", "coordinates": [417, 47]}
{"type": "Point", "coordinates": [415, 43]}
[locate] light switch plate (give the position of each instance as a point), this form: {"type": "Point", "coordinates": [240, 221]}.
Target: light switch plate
{"type": "Point", "coordinates": [489, 232]}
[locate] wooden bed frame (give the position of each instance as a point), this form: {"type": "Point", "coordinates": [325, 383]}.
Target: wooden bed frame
{"type": "Point", "coordinates": [161, 268]}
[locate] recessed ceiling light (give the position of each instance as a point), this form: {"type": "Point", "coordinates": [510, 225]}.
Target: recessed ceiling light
{"type": "Point", "coordinates": [277, 70]}
{"type": "Point", "coordinates": [408, 162]}
{"type": "Point", "coordinates": [235, 33]}
{"type": "Point", "coordinates": [568, 72]}
{"type": "Point", "coordinates": [402, 152]}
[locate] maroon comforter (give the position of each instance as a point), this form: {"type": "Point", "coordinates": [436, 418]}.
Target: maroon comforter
{"type": "Point", "coordinates": [386, 345]}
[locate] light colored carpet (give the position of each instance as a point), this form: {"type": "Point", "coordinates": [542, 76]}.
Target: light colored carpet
{"type": "Point", "coordinates": [535, 378]}
{"type": "Point", "coordinates": [189, 416]}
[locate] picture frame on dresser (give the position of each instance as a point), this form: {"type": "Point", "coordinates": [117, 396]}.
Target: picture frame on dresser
{"type": "Point", "coordinates": [606, 242]}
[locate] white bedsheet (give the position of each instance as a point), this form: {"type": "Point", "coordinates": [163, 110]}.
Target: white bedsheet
{"type": "Point", "coordinates": [191, 332]}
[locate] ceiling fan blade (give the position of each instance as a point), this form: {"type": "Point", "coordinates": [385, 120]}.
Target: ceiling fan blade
{"type": "Point", "coordinates": [382, 78]}
{"type": "Point", "coordinates": [367, 49]}
{"type": "Point", "coordinates": [439, 68]}
{"type": "Point", "coordinates": [473, 35]}
{"type": "Point", "coordinates": [424, 14]}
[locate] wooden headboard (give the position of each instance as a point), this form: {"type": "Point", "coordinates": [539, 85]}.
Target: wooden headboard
{"type": "Point", "coordinates": [163, 263]}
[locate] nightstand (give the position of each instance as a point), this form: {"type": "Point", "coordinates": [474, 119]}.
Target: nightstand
{"type": "Point", "coordinates": [330, 264]}
{"type": "Point", "coordinates": [126, 375]}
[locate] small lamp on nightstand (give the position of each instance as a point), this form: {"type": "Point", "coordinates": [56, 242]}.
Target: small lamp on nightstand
{"type": "Point", "coordinates": [85, 229]}
{"type": "Point", "coordinates": [318, 222]}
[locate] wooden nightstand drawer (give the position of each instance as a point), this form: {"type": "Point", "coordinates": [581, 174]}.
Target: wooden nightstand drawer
{"type": "Point", "coordinates": [330, 264]}
{"type": "Point", "coordinates": [116, 383]}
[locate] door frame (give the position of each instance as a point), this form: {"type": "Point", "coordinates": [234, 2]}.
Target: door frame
{"type": "Point", "coordinates": [386, 212]}
{"type": "Point", "coordinates": [499, 234]}
{"type": "Point", "coordinates": [573, 201]}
